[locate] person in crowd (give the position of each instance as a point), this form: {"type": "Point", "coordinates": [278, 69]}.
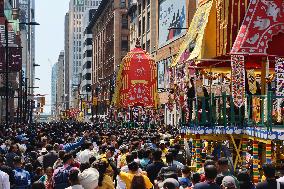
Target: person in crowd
{"type": "Point", "coordinates": [89, 178]}
{"type": "Point", "coordinates": [270, 182]}
{"type": "Point", "coordinates": [4, 180]}
{"type": "Point", "coordinates": [47, 178]}
{"type": "Point", "coordinates": [169, 183]}
{"type": "Point", "coordinates": [74, 180]}
{"type": "Point", "coordinates": [228, 182]}
{"type": "Point", "coordinates": [6, 169]}
{"type": "Point", "coordinates": [61, 174]}
{"type": "Point", "coordinates": [22, 178]}
{"type": "Point", "coordinates": [132, 175]}
{"type": "Point", "coordinates": [244, 180]}
{"type": "Point", "coordinates": [59, 161]}
{"type": "Point", "coordinates": [184, 180]}
{"type": "Point", "coordinates": [195, 178]}
{"type": "Point", "coordinates": [170, 168]}
{"type": "Point", "coordinates": [50, 158]}
{"type": "Point", "coordinates": [223, 169]}
{"type": "Point", "coordinates": [105, 181]}
{"type": "Point", "coordinates": [86, 153]}
{"type": "Point", "coordinates": [154, 168]}
{"type": "Point", "coordinates": [209, 183]}
{"type": "Point", "coordinates": [146, 158]}
{"type": "Point", "coordinates": [13, 152]}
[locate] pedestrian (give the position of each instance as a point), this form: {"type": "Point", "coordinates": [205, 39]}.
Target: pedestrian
{"type": "Point", "coordinates": [4, 180]}
{"type": "Point", "coordinates": [61, 174]}
{"type": "Point", "coordinates": [209, 183]}
{"type": "Point", "coordinates": [228, 182]}
{"type": "Point", "coordinates": [270, 182]}
{"type": "Point", "coordinates": [47, 178]}
{"type": "Point", "coordinates": [22, 178]}
{"type": "Point", "coordinates": [74, 180]}
{"type": "Point", "coordinates": [154, 168]}
{"type": "Point", "coordinates": [50, 158]}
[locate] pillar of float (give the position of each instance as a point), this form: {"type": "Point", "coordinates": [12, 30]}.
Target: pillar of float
{"type": "Point", "coordinates": [198, 151]}
{"type": "Point", "coordinates": [255, 162]}
{"type": "Point", "coordinates": [268, 152]}
{"type": "Point", "coordinates": [193, 157]}
{"type": "Point", "coordinates": [244, 152]}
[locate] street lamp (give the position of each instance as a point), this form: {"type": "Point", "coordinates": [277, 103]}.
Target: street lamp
{"type": "Point", "coordinates": [37, 78]}
{"type": "Point", "coordinates": [35, 65]}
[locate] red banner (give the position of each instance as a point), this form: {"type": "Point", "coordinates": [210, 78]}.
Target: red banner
{"type": "Point", "coordinates": [263, 20]}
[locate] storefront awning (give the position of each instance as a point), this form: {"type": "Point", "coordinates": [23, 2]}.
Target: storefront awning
{"type": "Point", "coordinates": [263, 20]}
{"type": "Point", "coordinates": [192, 45]}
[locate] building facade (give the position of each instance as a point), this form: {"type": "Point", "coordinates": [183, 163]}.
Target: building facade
{"type": "Point", "coordinates": [86, 79]}
{"type": "Point", "coordinates": [54, 90]}
{"type": "Point", "coordinates": [60, 84]}
{"type": "Point", "coordinates": [76, 14]}
{"type": "Point", "coordinates": [66, 60]}
{"type": "Point", "coordinates": [110, 44]}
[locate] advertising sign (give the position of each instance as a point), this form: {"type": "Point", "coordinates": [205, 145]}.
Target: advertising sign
{"type": "Point", "coordinates": [171, 15]}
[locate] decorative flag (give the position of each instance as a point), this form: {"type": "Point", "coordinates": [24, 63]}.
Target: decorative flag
{"type": "Point", "coordinates": [279, 69]}
{"type": "Point", "coordinates": [238, 79]}
{"type": "Point", "coordinates": [251, 81]}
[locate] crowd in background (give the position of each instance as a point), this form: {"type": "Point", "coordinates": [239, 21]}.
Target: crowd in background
{"type": "Point", "coordinates": [74, 155]}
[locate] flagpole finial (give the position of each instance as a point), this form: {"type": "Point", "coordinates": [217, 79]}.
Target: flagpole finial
{"type": "Point", "coordinates": [138, 45]}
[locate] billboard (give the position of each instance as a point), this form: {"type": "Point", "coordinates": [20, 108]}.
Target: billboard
{"type": "Point", "coordinates": [171, 15]}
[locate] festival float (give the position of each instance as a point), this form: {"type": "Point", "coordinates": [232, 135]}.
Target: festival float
{"type": "Point", "coordinates": [227, 82]}
{"type": "Point", "coordinates": [136, 86]}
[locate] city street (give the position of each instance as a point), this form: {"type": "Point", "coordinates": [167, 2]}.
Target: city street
{"type": "Point", "coordinates": [141, 94]}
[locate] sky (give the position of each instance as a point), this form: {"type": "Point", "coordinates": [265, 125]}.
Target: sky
{"type": "Point", "coordinates": [49, 42]}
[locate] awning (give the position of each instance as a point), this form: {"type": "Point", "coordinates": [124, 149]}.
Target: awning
{"type": "Point", "coordinates": [263, 20]}
{"type": "Point", "coordinates": [194, 38]}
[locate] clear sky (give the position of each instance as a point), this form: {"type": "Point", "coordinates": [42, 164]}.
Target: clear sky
{"type": "Point", "coordinates": [49, 41]}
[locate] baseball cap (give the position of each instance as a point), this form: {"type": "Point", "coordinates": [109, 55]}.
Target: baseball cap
{"type": "Point", "coordinates": [229, 182]}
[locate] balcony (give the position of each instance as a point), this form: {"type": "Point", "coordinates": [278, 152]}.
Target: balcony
{"type": "Point", "coordinates": [262, 111]}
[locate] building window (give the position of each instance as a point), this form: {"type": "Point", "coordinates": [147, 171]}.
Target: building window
{"type": "Point", "coordinates": [122, 3]}
{"type": "Point", "coordinates": [148, 21]}
{"type": "Point", "coordinates": [124, 43]}
{"type": "Point", "coordinates": [139, 28]}
{"type": "Point", "coordinates": [143, 25]}
{"type": "Point", "coordinates": [139, 9]}
{"type": "Point", "coordinates": [148, 46]}
{"type": "Point", "coordinates": [144, 3]}
{"type": "Point", "coordinates": [124, 22]}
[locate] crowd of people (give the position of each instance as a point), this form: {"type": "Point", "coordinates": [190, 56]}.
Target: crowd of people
{"type": "Point", "coordinates": [90, 156]}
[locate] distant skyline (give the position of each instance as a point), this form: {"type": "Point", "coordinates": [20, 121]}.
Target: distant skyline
{"type": "Point", "coordinates": [49, 42]}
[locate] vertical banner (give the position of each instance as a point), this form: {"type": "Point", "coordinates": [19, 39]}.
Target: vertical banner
{"type": "Point", "coordinates": [279, 69]}
{"type": "Point", "coordinates": [161, 75]}
{"type": "Point", "coordinates": [251, 81]}
{"type": "Point", "coordinates": [238, 79]}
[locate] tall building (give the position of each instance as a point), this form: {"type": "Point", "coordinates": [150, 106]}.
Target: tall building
{"type": "Point", "coordinates": [76, 13]}
{"type": "Point", "coordinates": [60, 85]}
{"type": "Point", "coordinates": [86, 79]}
{"type": "Point", "coordinates": [110, 44]}
{"type": "Point", "coordinates": [53, 89]}
{"type": "Point", "coordinates": [66, 57]}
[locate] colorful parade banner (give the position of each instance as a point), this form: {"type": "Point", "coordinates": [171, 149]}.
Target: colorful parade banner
{"type": "Point", "coordinates": [251, 81]}
{"type": "Point", "coordinates": [263, 20]}
{"type": "Point", "coordinates": [136, 83]}
{"type": "Point", "coordinates": [279, 69]}
{"type": "Point", "coordinates": [238, 79]}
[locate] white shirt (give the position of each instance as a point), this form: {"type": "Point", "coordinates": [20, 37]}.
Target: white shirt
{"type": "Point", "coordinates": [4, 180]}
{"type": "Point", "coordinates": [84, 156]}
{"type": "Point", "coordinates": [281, 179]}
